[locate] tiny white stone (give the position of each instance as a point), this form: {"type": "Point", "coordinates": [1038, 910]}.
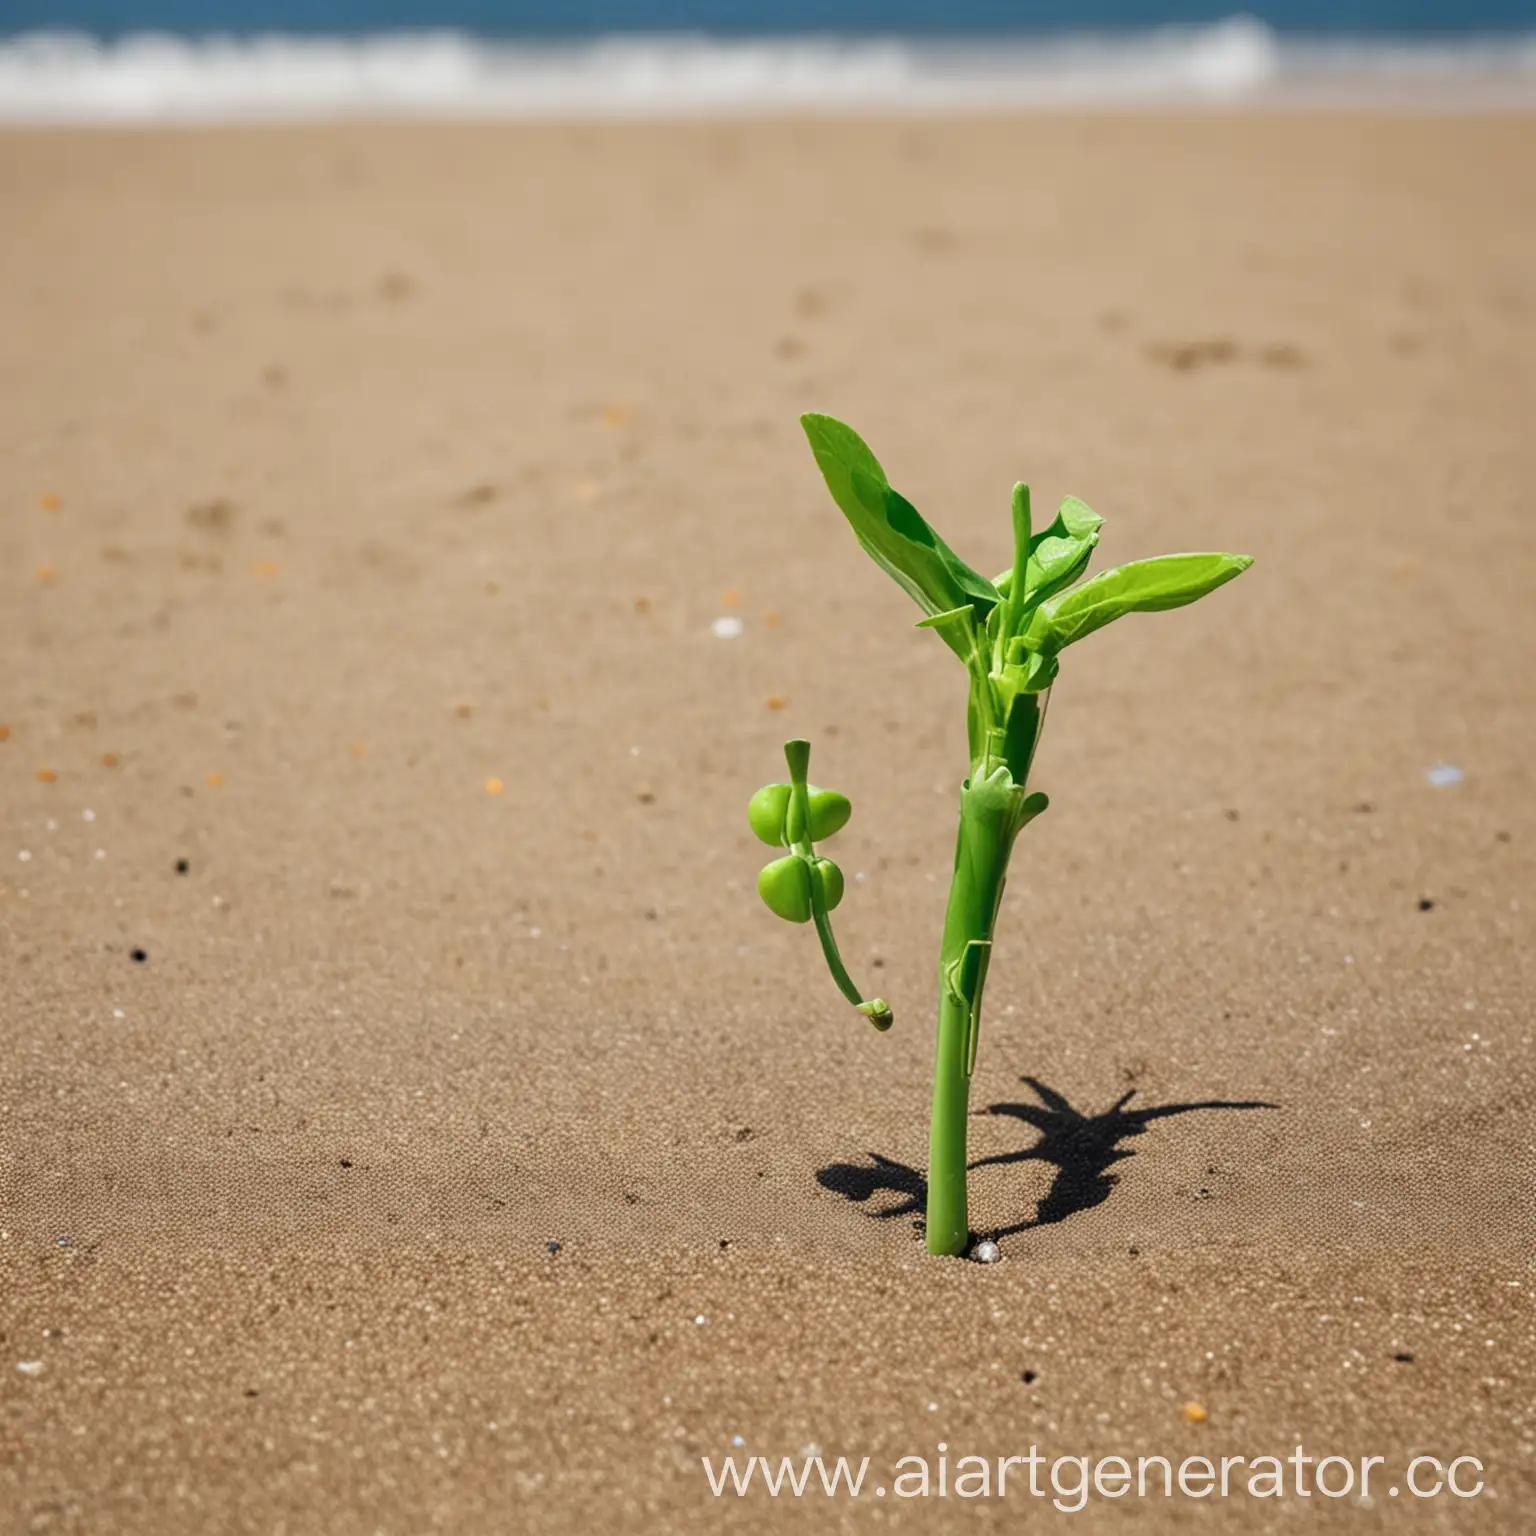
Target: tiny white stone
{"type": "Point", "coordinates": [87, 814]}
{"type": "Point", "coordinates": [726, 627]}
{"type": "Point", "coordinates": [737, 1440]}
{"type": "Point", "coordinates": [101, 853]}
{"type": "Point", "coordinates": [25, 855]}
{"type": "Point", "coordinates": [986, 1252]}
{"type": "Point", "coordinates": [117, 1013]}
{"type": "Point", "coordinates": [700, 1319]}
{"type": "Point", "coordinates": [30, 1367]}
{"type": "Point", "coordinates": [1444, 773]}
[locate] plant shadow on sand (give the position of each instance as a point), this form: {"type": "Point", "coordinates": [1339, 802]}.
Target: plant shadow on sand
{"type": "Point", "coordinates": [1082, 1148]}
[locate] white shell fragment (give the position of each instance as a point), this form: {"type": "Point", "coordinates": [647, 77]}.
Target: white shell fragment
{"type": "Point", "coordinates": [986, 1252]}
{"type": "Point", "coordinates": [726, 627]}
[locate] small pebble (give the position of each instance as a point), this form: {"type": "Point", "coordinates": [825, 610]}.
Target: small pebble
{"type": "Point", "coordinates": [182, 866]}
{"type": "Point", "coordinates": [138, 956]}
{"type": "Point", "coordinates": [1444, 773]}
{"type": "Point", "coordinates": [727, 627]}
{"type": "Point", "coordinates": [87, 814]}
{"type": "Point", "coordinates": [1195, 1413]}
{"type": "Point", "coordinates": [553, 1246]}
{"type": "Point", "coordinates": [986, 1252]}
{"type": "Point", "coordinates": [494, 786]}
{"type": "Point", "coordinates": [30, 1367]}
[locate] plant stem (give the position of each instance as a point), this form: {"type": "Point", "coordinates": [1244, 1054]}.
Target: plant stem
{"type": "Point", "coordinates": [1014, 605]}
{"type": "Point", "coordinates": [989, 821]}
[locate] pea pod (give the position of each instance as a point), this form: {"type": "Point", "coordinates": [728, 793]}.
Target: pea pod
{"type": "Point", "coordinates": [829, 813]}
{"type": "Point", "coordinates": [768, 811]}
{"type": "Point", "coordinates": [830, 878]}
{"type": "Point", "coordinates": [785, 886]}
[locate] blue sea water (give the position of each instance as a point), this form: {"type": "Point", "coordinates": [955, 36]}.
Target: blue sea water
{"type": "Point", "coordinates": [543, 19]}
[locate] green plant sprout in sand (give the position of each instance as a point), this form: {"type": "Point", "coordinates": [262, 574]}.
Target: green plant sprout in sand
{"type": "Point", "coordinates": [1009, 635]}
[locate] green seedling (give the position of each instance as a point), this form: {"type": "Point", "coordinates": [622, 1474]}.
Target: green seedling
{"type": "Point", "coordinates": [1009, 634]}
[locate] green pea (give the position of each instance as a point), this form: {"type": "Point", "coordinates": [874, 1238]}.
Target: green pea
{"type": "Point", "coordinates": [829, 814]}
{"type": "Point", "coordinates": [785, 886]}
{"type": "Point", "coordinates": [831, 878]}
{"type": "Point", "coordinates": [768, 811]}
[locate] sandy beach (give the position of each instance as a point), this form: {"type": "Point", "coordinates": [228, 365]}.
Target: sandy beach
{"type": "Point", "coordinates": [412, 1121]}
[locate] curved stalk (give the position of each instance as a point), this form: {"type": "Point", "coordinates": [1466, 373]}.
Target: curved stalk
{"type": "Point", "coordinates": [797, 754]}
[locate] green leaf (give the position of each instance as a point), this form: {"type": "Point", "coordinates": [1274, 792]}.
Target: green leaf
{"type": "Point", "coordinates": [1144, 586]}
{"type": "Point", "coordinates": [957, 629]}
{"type": "Point", "coordinates": [1039, 673]}
{"type": "Point", "coordinates": [893, 532]}
{"type": "Point", "coordinates": [1076, 518]}
{"type": "Point", "coordinates": [1058, 555]}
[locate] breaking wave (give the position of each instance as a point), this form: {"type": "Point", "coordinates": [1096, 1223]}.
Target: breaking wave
{"type": "Point", "coordinates": [66, 78]}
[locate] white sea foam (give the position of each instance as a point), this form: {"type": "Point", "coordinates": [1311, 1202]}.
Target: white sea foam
{"type": "Point", "coordinates": [69, 78]}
